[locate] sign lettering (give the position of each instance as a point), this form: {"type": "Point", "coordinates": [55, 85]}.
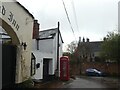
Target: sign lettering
{"type": "Point", "coordinates": [2, 10]}
{"type": "Point", "coordinates": [10, 17]}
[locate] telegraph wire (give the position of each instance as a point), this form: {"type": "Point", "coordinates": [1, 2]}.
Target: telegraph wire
{"type": "Point", "coordinates": [69, 19]}
{"type": "Point", "coordinates": [74, 12]}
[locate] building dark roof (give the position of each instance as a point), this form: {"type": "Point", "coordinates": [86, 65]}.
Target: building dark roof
{"type": "Point", "coordinates": [49, 34]}
{"type": "Point", "coordinates": [95, 46]}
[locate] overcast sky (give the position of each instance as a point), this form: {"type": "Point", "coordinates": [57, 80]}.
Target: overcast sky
{"type": "Point", "coordinates": [94, 18]}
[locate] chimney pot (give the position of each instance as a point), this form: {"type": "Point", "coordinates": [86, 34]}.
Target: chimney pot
{"type": "Point", "coordinates": [87, 39]}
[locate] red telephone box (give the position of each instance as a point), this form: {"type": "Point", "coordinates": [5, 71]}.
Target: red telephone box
{"type": "Point", "coordinates": [64, 68]}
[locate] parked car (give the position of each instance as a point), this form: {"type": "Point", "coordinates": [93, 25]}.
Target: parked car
{"type": "Point", "coordinates": [93, 72]}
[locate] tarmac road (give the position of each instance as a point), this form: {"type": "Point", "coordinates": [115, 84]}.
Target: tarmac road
{"type": "Point", "coordinates": [101, 83]}
{"type": "Point", "coordinates": [83, 83]}
{"type": "Point", "coordinates": [93, 82]}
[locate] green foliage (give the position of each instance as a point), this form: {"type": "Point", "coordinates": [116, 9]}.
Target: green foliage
{"type": "Point", "coordinates": [66, 54]}
{"type": "Point", "coordinates": [111, 47]}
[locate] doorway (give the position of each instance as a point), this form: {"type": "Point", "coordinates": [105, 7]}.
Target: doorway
{"type": "Point", "coordinates": [8, 65]}
{"type": "Point", "coordinates": [46, 69]}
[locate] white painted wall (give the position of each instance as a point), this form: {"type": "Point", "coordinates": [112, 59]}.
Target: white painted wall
{"type": "Point", "coordinates": [39, 59]}
{"type": "Point", "coordinates": [61, 47]}
{"type": "Point", "coordinates": [60, 52]}
{"type": "Point", "coordinates": [34, 44]}
{"type": "Point", "coordinates": [46, 45]}
{"type": "Point", "coordinates": [24, 34]}
{"type": "Point", "coordinates": [119, 16]}
{"type": "Point", "coordinates": [47, 49]}
{"type": "Point", "coordinates": [55, 53]}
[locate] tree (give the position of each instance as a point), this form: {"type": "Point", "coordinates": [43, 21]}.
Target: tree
{"type": "Point", "coordinates": [72, 47]}
{"type": "Point", "coordinates": [66, 54]}
{"type": "Point", "coordinates": [71, 51]}
{"type": "Point", "coordinates": [111, 47]}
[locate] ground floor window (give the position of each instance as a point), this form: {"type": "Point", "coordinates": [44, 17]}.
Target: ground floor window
{"type": "Point", "coordinates": [33, 64]}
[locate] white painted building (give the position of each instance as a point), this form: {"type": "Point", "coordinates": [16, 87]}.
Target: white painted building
{"type": "Point", "coordinates": [45, 49]}
{"type": "Point", "coordinates": [18, 24]}
{"type": "Point", "coordinates": [119, 17]}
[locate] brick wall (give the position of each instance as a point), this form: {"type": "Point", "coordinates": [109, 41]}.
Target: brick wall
{"type": "Point", "coordinates": [110, 68]}
{"type": "Point", "coordinates": [36, 29]}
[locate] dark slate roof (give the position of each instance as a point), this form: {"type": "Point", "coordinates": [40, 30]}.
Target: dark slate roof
{"type": "Point", "coordinates": [49, 34]}
{"type": "Point", "coordinates": [95, 46]}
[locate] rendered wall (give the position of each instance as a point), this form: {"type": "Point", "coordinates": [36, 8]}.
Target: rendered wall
{"type": "Point", "coordinates": [21, 23]}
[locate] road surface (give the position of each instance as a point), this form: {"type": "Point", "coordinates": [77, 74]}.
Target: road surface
{"type": "Point", "coordinates": [92, 82]}
{"type": "Point", "coordinates": [101, 83]}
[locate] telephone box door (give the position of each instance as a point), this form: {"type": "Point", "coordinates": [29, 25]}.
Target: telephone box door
{"type": "Point", "coordinates": [64, 68]}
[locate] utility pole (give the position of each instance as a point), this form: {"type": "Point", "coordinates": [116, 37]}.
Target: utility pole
{"type": "Point", "coordinates": [58, 50]}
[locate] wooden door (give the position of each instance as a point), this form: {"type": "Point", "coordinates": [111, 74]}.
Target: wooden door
{"type": "Point", "coordinates": [8, 65]}
{"type": "Point", "coordinates": [45, 69]}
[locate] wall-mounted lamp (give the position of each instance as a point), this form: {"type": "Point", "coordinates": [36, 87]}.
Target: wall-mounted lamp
{"type": "Point", "coordinates": [38, 65]}
{"type": "Point", "coordinates": [24, 45]}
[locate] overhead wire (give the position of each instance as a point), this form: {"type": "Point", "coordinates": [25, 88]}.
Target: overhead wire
{"type": "Point", "coordinates": [69, 20]}
{"type": "Point", "coordinates": [74, 12]}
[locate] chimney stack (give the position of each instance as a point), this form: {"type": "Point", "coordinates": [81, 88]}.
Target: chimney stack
{"type": "Point", "coordinates": [36, 29]}
{"type": "Point", "coordinates": [79, 39]}
{"type": "Point", "coordinates": [83, 39]}
{"type": "Point", "coordinates": [87, 39]}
